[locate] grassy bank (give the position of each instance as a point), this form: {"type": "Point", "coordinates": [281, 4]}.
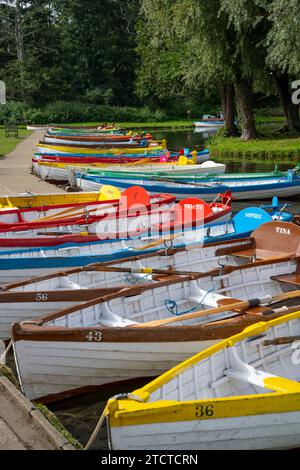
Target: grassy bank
{"type": "Point", "coordinates": [179, 123]}
{"type": "Point", "coordinates": [8, 144]}
{"type": "Point", "coordinates": [271, 147]}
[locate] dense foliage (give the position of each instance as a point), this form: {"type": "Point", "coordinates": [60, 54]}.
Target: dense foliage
{"type": "Point", "coordinates": [80, 59]}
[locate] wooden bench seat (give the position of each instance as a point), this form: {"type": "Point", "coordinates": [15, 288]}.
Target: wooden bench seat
{"type": "Point", "coordinates": [293, 279]}
{"type": "Point", "coordinates": [244, 253]}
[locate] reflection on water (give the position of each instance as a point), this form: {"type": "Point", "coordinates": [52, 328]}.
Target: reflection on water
{"type": "Point", "coordinates": [80, 415]}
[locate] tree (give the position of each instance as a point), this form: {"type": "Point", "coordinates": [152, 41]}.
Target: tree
{"type": "Point", "coordinates": [283, 58]}
{"type": "Point", "coordinates": [72, 49]}
{"type": "Point", "coordinates": [274, 29]}
{"type": "Point", "coordinates": [207, 52]}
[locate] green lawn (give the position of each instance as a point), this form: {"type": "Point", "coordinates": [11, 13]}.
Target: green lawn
{"type": "Point", "coordinates": [8, 144]}
{"type": "Point", "coordinates": [174, 123]}
{"type": "Point", "coordinates": [272, 145]}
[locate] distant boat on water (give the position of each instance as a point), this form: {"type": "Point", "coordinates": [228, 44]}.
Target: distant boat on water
{"type": "Point", "coordinates": [210, 121]}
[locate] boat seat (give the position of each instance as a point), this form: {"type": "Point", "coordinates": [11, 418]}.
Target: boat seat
{"type": "Point", "coordinates": [249, 253]}
{"type": "Point", "coordinates": [259, 254]}
{"type": "Point", "coordinates": [293, 279]}
{"type": "Point", "coordinates": [242, 371]}
{"type": "Point", "coordinates": [111, 319]}
{"type": "Point", "coordinates": [203, 297]}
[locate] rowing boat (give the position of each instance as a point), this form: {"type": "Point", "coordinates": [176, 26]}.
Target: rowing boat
{"type": "Point", "coordinates": [209, 124]}
{"type": "Point", "coordinates": [256, 188]}
{"type": "Point", "coordinates": [135, 215]}
{"type": "Point", "coordinates": [129, 143]}
{"type": "Point", "coordinates": [210, 121]}
{"type": "Point", "coordinates": [95, 139]}
{"type": "Point", "coordinates": [62, 171]}
{"type": "Point", "coordinates": [48, 293]}
{"type": "Point", "coordinates": [214, 172]}
{"type": "Point", "coordinates": [161, 156]}
{"type": "Point", "coordinates": [110, 202]}
{"type": "Point", "coordinates": [131, 333]}
{"type": "Point", "coordinates": [211, 173]}
{"type": "Point", "coordinates": [31, 200]}
{"type": "Point", "coordinates": [240, 394]}
{"type": "Point", "coordinates": [56, 253]}
{"type": "Point", "coordinates": [68, 149]}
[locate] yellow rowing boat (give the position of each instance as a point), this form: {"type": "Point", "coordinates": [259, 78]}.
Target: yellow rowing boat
{"type": "Point", "coordinates": [242, 393]}
{"type": "Point", "coordinates": [40, 200]}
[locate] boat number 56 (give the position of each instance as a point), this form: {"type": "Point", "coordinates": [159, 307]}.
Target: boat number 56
{"type": "Point", "coordinates": [202, 411]}
{"type": "Point", "coordinates": [94, 336]}
{"type": "Point", "coordinates": [41, 297]}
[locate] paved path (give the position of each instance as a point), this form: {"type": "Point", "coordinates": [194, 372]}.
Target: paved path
{"type": "Point", "coordinates": [15, 176]}
{"type": "Point", "coordinates": [22, 426]}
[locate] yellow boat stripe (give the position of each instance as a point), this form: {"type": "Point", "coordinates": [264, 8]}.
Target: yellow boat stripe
{"type": "Point", "coordinates": [130, 413]}
{"type": "Point", "coordinates": [91, 151]}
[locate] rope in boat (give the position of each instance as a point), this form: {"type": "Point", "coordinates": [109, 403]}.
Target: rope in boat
{"type": "Point", "coordinates": [3, 356]}
{"type": "Point", "coordinates": [134, 280]}
{"type": "Point", "coordinates": [123, 396]}
{"type": "Point", "coordinates": [173, 308]}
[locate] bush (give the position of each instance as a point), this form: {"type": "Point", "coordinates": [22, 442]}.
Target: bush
{"type": "Point", "coordinates": [12, 111]}
{"type": "Point", "coordinates": [269, 111]}
{"type": "Point", "coordinates": [76, 111]}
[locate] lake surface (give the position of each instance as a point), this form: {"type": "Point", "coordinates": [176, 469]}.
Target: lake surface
{"type": "Point", "coordinates": [80, 415]}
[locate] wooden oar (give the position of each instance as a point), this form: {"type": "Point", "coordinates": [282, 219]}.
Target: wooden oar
{"type": "Point", "coordinates": [169, 180]}
{"type": "Point", "coordinates": [239, 306]}
{"type": "Point", "coordinates": [161, 241]}
{"type": "Point", "coordinates": [139, 162]}
{"type": "Point", "coordinates": [72, 212]}
{"type": "Point", "coordinates": [280, 340]}
{"type": "Point", "coordinates": [167, 272]}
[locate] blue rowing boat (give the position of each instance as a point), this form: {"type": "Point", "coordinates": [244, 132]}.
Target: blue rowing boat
{"type": "Point", "coordinates": [259, 188]}
{"type": "Point", "coordinates": [22, 264]}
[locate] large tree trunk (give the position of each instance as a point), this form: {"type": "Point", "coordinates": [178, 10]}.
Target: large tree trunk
{"type": "Point", "coordinates": [19, 32]}
{"type": "Point", "coordinates": [227, 100]}
{"type": "Point", "coordinates": [20, 44]}
{"type": "Point", "coordinates": [244, 97]}
{"type": "Point", "coordinates": [291, 110]}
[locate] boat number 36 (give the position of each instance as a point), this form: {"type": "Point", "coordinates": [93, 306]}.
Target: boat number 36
{"type": "Point", "coordinates": [94, 336]}
{"type": "Point", "coordinates": [202, 411]}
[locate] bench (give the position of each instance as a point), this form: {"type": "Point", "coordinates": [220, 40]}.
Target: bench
{"type": "Point", "coordinates": [293, 279]}
{"type": "Point", "coordinates": [11, 129]}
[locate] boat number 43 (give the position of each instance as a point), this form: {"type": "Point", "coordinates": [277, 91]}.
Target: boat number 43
{"type": "Point", "coordinates": [94, 336]}
{"type": "Point", "coordinates": [204, 411]}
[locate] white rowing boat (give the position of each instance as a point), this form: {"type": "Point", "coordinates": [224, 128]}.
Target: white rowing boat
{"type": "Point", "coordinates": [131, 333]}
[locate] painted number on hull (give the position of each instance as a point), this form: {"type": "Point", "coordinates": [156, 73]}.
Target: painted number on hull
{"type": "Point", "coordinates": [202, 411]}
{"type": "Point", "coordinates": [94, 336]}
{"type": "Point", "coordinates": [41, 297]}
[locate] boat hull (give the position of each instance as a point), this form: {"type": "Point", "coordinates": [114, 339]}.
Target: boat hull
{"type": "Point", "coordinates": [243, 191]}
{"type": "Point", "coordinates": [259, 432]}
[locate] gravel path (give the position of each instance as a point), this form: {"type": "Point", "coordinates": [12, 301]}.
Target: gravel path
{"type": "Point", "coordinates": [15, 176]}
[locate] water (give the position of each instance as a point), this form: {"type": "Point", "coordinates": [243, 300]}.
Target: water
{"type": "Point", "coordinates": [80, 415]}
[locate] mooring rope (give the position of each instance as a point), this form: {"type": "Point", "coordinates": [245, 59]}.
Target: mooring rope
{"type": "Point", "coordinates": [125, 396]}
